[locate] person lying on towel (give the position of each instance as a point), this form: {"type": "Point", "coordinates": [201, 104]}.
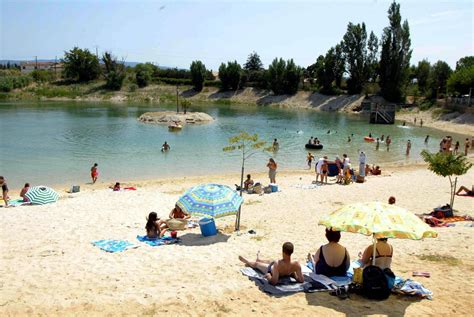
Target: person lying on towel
{"type": "Point", "coordinates": [465, 191]}
{"type": "Point", "coordinates": [273, 270]}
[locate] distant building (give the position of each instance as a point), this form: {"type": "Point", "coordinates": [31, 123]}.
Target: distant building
{"type": "Point", "coordinates": [28, 67]}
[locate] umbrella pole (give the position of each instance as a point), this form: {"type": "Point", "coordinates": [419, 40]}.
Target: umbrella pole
{"type": "Point", "coordinates": [374, 248]}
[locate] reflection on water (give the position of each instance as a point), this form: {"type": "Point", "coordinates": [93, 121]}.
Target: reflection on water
{"type": "Point", "coordinates": [57, 142]}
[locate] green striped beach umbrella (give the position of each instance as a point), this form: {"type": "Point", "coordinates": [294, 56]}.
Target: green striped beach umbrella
{"type": "Point", "coordinates": [40, 195]}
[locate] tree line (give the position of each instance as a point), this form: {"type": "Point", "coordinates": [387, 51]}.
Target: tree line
{"type": "Point", "coordinates": [360, 63]}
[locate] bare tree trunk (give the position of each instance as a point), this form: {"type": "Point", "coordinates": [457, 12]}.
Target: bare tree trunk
{"type": "Point", "coordinates": [453, 192]}
{"type": "Point", "coordinates": [237, 219]}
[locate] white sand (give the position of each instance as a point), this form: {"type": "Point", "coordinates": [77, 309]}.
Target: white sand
{"type": "Point", "coordinates": [48, 265]}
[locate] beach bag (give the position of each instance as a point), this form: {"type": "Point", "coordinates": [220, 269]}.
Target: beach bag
{"type": "Point", "coordinates": [390, 276]}
{"type": "Point", "coordinates": [257, 188]}
{"type": "Point", "coordinates": [267, 190]}
{"type": "Point", "coordinates": [357, 277]}
{"type": "Point", "coordinates": [360, 179]}
{"type": "Point", "coordinates": [75, 189]}
{"type": "Point", "coordinates": [443, 212]}
{"type": "Point", "coordinates": [177, 224]}
{"type": "Point", "coordinates": [375, 284]}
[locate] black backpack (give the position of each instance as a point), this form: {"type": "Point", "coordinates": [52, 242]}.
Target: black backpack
{"type": "Point", "coordinates": [374, 283]}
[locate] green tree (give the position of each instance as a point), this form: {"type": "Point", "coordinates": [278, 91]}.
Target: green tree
{"type": "Point", "coordinates": [81, 65]}
{"type": "Point", "coordinates": [293, 76]}
{"type": "Point", "coordinates": [230, 75]}
{"type": "Point", "coordinates": [185, 104]}
{"type": "Point", "coordinates": [395, 56]}
{"type": "Point", "coordinates": [372, 61]}
{"type": "Point", "coordinates": [422, 75]}
{"type": "Point", "coordinates": [465, 62]}
{"type": "Point", "coordinates": [438, 80]}
{"type": "Point", "coordinates": [248, 145]}
{"type": "Point", "coordinates": [462, 80]}
{"type": "Point", "coordinates": [324, 69]}
{"type": "Point", "coordinates": [339, 64]}
{"type": "Point", "coordinates": [144, 73]}
{"type": "Point", "coordinates": [198, 75]}
{"type": "Point", "coordinates": [253, 62]}
{"type": "Point", "coordinates": [277, 76]}
{"type": "Point", "coordinates": [284, 77]}
{"type": "Point", "coordinates": [447, 165]}
{"type": "Point", "coordinates": [355, 42]}
{"type": "Point", "coordinates": [114, 71]}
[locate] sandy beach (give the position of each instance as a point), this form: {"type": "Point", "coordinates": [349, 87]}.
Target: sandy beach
{"type": "Point", "coordinates": [49, 266]}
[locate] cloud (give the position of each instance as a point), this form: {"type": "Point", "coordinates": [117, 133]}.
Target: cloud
{"type": "Point", "coordinates": [438, 17]}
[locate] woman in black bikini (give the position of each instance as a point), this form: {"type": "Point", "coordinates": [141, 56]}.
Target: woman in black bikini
{"type": "Point", "coordinates": [383, 254]}
{"type": "Point", "coordinates": [331, 259]}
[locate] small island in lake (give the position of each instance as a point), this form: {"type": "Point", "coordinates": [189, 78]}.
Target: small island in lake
{"type": "Point", "coordinates": [170, 117]}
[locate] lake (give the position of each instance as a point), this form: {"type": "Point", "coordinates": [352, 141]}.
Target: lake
{"type": "Point", "coordinates": [57, 142]}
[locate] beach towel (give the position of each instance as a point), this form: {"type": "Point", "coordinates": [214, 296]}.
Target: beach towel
{"type": "Point", "coordinates": [333, 280]}
{"type": "Point", "coordinates": [286, 285]}
{"type": "Point", "coordinates": [18, 202]}
{"type": "Point", "coordinates": [158, 241]}
{"type": "Point", "coordinates": [114, 245]}
{"type": "Point", "coordinates": [412, 288]}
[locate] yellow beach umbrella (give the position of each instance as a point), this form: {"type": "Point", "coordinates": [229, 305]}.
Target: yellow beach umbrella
{"type": "Point", "coordinates": [379, 220]}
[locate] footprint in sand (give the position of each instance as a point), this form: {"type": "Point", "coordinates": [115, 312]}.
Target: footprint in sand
{"type": "Point", "coordinates": [46, 253]}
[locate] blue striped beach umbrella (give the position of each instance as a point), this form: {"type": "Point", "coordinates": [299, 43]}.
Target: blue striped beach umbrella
{"type": "Point", "coordinates": [210, 200]}
{"type": "Point", "coordinates": [40, 195]}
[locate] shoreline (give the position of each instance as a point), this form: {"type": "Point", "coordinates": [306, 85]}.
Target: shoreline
{"type": "Point", "coordinates": [62, 188]}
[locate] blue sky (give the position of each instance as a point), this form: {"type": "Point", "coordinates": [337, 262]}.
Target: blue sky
{"type": "Point", "coordinates": [174, 33]}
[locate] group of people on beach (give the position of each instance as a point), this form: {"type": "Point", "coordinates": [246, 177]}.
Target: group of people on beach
{"type": "Point", "coordinates": [156, 227]}
{"type": "Point", "coordinates": [5, 190]}
{"type": "Point", "coordinates": [331, 259]}
{"type": "Point", "coordinates": [446, 145]}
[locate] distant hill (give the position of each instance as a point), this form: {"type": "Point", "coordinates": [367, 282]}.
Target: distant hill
{"type": "Point", "coordinates": [17, 61]}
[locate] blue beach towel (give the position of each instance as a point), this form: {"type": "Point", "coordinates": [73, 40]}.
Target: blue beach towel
{"type": "Point", "coordinates": [114, 245]}
{"type": "Point", "coordinates": [158, 241]}
{"type": "Point", "coordinates": [338, 280]}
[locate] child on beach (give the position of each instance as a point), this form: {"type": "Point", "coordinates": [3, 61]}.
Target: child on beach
{"type": "Point", "coordinates": [116, 187]}
{"type": "Point", "coordinates": [153, 226]}
{"type": "Point", "coordinates": [309, 159]}
{"type": "Point", "coordinates": [324, 172]}
{"type": "Point", "coordinates": [273, 270]}
{"type": "Point", "coordinates": [24, 190]}
{"type": "Point", "coordinates": [94, 173]}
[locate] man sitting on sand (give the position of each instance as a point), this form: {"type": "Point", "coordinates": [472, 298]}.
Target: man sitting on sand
{"type": "Point", "coordinates": [273, 270]}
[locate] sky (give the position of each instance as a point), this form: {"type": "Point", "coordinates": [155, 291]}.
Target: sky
{"type": "Point", "coordinates": [174, 33]}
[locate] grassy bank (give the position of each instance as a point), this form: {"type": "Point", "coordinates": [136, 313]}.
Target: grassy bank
{"type": "Point", "coordinates": [162, 93]}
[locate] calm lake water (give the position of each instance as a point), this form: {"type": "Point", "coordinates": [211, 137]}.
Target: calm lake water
{"type": "Point", "coordinates": [57, 142]}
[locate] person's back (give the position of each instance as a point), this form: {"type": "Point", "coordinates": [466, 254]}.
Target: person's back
{"type": "Point", "coordinates": [332, 259]}
{"type": "Point", "coordinates": [383, 254]}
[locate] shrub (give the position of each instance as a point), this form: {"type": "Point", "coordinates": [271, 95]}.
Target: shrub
{"type": "Point", "coordinates": [43, 76]}
{"type": "Point", "coordinates": [81, 65]}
